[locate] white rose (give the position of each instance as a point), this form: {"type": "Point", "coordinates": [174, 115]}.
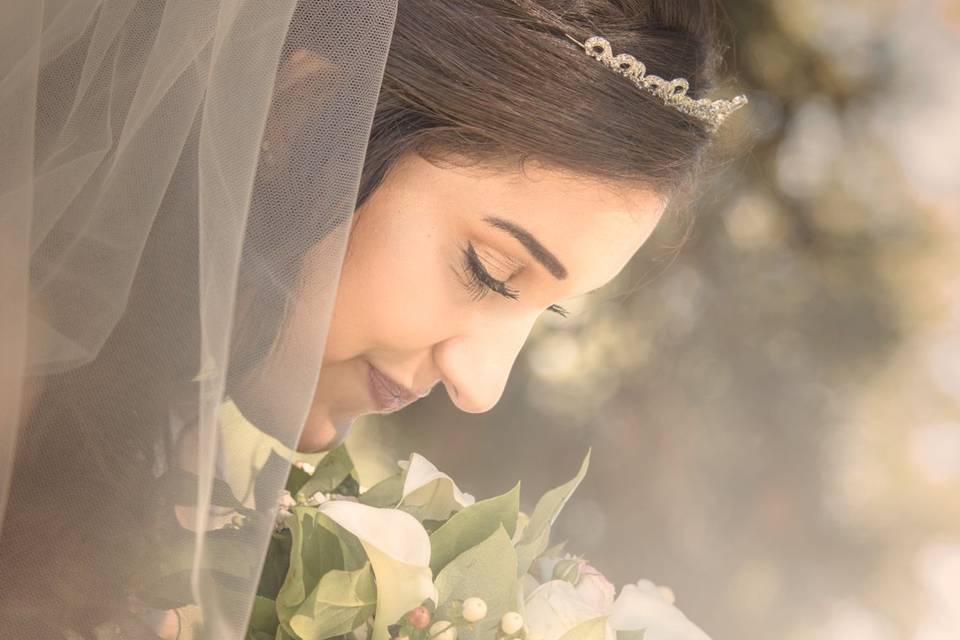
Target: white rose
{"type": "Point", "coordinates": [592, 586]}
{"type": "Point", "coordinates": [648, 607]}
{"type": "Point", "coordinates": [555, 607]}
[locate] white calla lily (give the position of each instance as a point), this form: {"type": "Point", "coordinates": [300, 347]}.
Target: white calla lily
{"type": "Point", "coordinates": [430, 489]}
{"type": "Point", "coordinates": [645, 606]}
{"type": "Point", "coordinates": [399, 551]}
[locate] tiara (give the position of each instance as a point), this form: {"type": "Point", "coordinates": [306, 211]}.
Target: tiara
{"type": "Point", "coordinates": [673, 92]}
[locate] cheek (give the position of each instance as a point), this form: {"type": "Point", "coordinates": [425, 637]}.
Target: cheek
{"type": "Point", "coordinates": [396, 292]}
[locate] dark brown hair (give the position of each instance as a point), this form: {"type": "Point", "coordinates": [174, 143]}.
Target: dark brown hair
{"type": "Point", "coordinates": [483, 81]}
{"type": "Point", "coordinates": [499, 80]}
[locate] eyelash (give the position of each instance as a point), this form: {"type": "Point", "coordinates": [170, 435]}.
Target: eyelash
{"type": "Point", "coordinates": [480, 281]}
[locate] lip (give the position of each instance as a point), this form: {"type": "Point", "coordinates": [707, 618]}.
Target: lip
{"type": "Point", "coordinates": [387, 394]}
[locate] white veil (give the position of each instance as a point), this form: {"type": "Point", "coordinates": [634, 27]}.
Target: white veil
{"type": "Point", "coordinates": [151, 248]}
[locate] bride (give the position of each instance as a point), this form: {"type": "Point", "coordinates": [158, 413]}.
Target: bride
{"type": "Point", "coordinates": [309, 210]}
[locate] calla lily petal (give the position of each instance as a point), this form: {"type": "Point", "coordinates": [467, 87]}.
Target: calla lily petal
{"type": "Point", "coordinates": [431, 490]}
{"type": "Point", "coordinates": [399, 552]}
{"type": "Point", "coordinates": [642, 606]}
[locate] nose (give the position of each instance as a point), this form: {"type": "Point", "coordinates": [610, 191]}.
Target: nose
{"type": "Point", "coordinates": [476, 364]}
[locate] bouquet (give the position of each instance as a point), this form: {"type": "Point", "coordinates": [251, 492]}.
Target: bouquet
{"type": "Point", "coordinates": [416, 558]}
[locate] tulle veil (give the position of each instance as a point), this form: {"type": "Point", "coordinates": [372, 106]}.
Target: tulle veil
{"type": "Point", "coordinates": [151, 246]}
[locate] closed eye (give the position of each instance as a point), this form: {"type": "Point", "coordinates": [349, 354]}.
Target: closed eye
{"type": "Point", "coordinates": [479, 281]}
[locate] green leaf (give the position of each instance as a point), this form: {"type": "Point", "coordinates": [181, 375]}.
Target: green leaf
{"type": "Point", "coordinates": [319, 547]}
{"type": "Point", "coordinates": [266, 493]}
{"type": "Point", "coordinates": [341, 601]}
{"type": "Point", "coordinates": [430, 494]}
{"type": "Point", "coordinates": [296, 479]}
{"type": "Point", "coordinates": [472, 526]}
{"type": "Point", "coordinates": [350, 485]}
{"type": "Point", "coordinates": [386, 493]}
{"type": "Point", "coordinates": [263, 618]}
{"type": "Point", "coordinates": [487, 570]}
{"type": "Point", "coordinates": [331, 470]}
{"type": "Point", "coordinates": [556, 551]}
{"type": "Point", "coordinates": [275, 565]}
{"type": "Point", "coordinates": [314, 551]}
{"type": "Point", "coordinates": [352, 553]}
{"type": "Point", "coordinates": [399, 552]}
{"type": "Point", "coordinates": [631, 634]}
{"type": "Point", "coordinates": [536, 536]}
{"type": "Point", "coordinates": [529, 549]}
{"type": "Point", "coordinates": [593, 629]}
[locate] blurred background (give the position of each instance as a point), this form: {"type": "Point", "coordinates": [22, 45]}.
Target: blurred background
{"type": "Point", "coordinates": [774, 407]}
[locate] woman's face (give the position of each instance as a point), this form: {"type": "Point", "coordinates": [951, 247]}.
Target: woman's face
{"type": "Point", "coordinates": [447, 270]}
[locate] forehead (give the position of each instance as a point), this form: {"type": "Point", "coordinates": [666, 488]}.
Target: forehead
{"type": "Point", "coordinates": [592, 226]}
{"type": "Point", "coordinates": [553, 193]}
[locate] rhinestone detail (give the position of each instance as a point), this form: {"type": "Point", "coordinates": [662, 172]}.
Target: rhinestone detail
{"type": "Point", "coordinates": [672, 92]}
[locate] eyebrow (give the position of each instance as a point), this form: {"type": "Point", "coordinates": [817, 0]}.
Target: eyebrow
{"type": "Point", "coordinates": [537, 250]}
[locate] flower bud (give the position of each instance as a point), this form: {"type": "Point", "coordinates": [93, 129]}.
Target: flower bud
{"type": "Point", "coordinates": [287, 501]}
{"type": "Point", "coordinates": [443, 630]}
{"type": "Point", "coordinates": [594, 588]}
{"type": "Point", "coordinates": [474, 609]}
{"type": "Point", "coordinates": [511, 622]}
{"type": "Point", "coordinates": [283, 515]}
{"type": "Point", "coordinates": [419, 618]}
{"type": "Point", "coordinates": [306, 467]}
{"type": "Point", "coordinates": [568, 570]}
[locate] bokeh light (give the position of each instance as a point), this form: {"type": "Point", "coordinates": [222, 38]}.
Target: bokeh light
{"type": "Point", "coordinates": [774, 409]}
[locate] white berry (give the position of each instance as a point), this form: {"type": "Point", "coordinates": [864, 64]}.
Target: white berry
{"type": "Point", "coordinates": [667, 594]}
{"type": "Point", "coordinates": [474, 609]}
{"type": "Point", "coordinates": [511, 622]}
{"type": "Point", "coordinates": [443, 630]}
{"type": "Point", "coordinates": [317, 499]}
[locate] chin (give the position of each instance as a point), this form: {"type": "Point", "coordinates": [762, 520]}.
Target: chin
{"type": "Point", "coordinates": [320, 433]}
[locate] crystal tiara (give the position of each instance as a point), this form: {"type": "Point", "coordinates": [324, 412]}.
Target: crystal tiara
{"type": "Point", "coordinates": [673, 92]}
